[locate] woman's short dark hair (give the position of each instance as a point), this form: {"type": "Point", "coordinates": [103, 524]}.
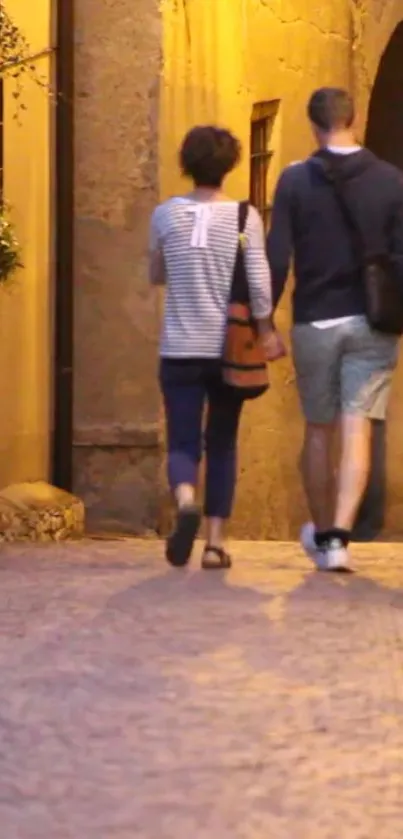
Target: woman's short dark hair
{"type": "Point", "coordinates": [208, 154]}
{"type": "Point", "coordinates": [331, 108]}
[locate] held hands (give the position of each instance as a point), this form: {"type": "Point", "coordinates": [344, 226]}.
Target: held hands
{"type": "Point", "coordinates": [273, 344]}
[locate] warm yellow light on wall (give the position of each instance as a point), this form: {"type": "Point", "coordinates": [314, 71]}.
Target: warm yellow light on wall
{"type": "Point", "coordinates": [25, 312]}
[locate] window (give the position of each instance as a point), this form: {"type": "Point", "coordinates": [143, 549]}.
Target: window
{"type": "Point", "coordinates": [261, 152]}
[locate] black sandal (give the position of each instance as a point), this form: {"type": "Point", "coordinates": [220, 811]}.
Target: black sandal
{"type": "Point", "coordinates": [223, 560]}
{"type": "Point", "coordinates": [180, 545]}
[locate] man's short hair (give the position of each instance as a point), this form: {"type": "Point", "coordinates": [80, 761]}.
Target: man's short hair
{"type": "Point", "coordinates": [331, 108]}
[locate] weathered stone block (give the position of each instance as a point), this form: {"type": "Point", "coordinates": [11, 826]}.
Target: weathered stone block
{"type": "Point", "coordinates": [120, 488]}
{"type": "Point", "coordinates": [38, 512]}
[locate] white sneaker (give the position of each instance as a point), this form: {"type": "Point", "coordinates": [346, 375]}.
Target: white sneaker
{"type": "Point", "coordinates": [337, 558]}
{"type": "Point", "coordinates": [307, 538]}
{"type": "Point", "coordinates": [332, 558]}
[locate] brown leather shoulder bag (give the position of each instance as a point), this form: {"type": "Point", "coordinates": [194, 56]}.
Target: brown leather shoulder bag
{"type": "Point", "coordinates": [244, 367]}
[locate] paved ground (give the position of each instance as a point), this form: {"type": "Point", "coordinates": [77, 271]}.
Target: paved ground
{"type": "Point", "coordinates": [138, 702]}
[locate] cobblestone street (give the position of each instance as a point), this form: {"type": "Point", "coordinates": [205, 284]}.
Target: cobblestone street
{"type": "Point", "coordinates": [138, 702]}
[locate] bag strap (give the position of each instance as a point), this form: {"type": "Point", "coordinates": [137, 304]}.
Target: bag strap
{"type": "Point", "coordinates": [356, 236]}
{"type": "Point", "coordinates": [239, 286]}
{"type": "Point", "coordinates": [243, 209]}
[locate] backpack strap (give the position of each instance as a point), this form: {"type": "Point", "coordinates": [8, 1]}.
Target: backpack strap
{"type": "Point", "coordinates": [351, 224]}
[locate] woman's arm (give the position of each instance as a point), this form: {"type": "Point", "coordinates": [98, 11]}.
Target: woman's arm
{"type": "Point", "coordinates": [157, 267]}
{"type": "Point", "coordinates": [260, 286]}
{"type": "Point", "coordinates": [257, 267]}
{"type": "Point", "coordinates": [156, 272]}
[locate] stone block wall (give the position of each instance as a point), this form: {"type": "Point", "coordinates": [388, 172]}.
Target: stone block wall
{"type": "Point", "coordinates": [118, 63]}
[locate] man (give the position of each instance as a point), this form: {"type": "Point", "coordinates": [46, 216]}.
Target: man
{"type": "Point", "coordinates": [344, 369]}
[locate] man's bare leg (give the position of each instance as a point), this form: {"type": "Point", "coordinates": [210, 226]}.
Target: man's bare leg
{"type": "Point", "coordinates": [355, 458]}
{"type": "Point", "coordinates": [327, 544]}
{"type": "Point", "coordinates": [318, 473]}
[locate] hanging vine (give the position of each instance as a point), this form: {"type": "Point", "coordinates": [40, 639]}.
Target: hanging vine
{"type": "Point", "coordinates": [16, 64]}
{"type": "Point", "coordinates": [16, 59]}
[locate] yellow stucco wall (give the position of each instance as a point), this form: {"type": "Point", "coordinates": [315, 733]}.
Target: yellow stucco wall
{"type": "Point", "coordinates": [25, 310]}
{"type": "Point", "coordinates": [218, 59]}
{"type": "Point", "coordinates": [221, 57]}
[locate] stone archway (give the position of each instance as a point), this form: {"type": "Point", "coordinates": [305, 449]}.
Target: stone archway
{"type": "Point", "coordinates": [383, 505]}
{"type": "Point", "coordinates": [384, 133]}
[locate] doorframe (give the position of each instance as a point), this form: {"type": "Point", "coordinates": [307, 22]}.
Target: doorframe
{"type": "Point", "coordinates": [62, 454]}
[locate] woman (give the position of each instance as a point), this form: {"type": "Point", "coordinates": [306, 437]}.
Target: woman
{"type": "Point", "coordinates": [194, 240]}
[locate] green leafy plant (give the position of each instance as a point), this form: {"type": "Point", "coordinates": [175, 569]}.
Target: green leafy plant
{"type": "Point", "coordinates": [16, 64]}
{"type": "Point", "coordinates": [10, 252]}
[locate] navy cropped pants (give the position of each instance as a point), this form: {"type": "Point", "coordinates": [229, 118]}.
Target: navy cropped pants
{"type": "Point", "coordinates": [202, 415]}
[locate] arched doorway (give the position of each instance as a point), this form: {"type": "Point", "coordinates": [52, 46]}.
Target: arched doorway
{"type": "Point", "coordinates": [384, 133]}
{"type": "Point", "coordinates": [383, 505]}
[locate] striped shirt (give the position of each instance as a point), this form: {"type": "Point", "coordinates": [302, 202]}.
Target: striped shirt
{"type": "Point", "coordinates": [198, 240]}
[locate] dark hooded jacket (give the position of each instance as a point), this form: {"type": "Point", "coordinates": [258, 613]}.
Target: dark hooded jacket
{"type": "Point", "coordinates": [308, 225]}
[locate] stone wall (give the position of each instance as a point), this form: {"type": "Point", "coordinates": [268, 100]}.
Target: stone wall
{"type": "Point", "coordinates": [118, 58]}
{"type": "Point", "coordinates": [143, 79]}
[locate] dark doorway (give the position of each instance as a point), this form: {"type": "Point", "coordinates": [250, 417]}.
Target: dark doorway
{"type": "Point", "coordinates": [384, 136]}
